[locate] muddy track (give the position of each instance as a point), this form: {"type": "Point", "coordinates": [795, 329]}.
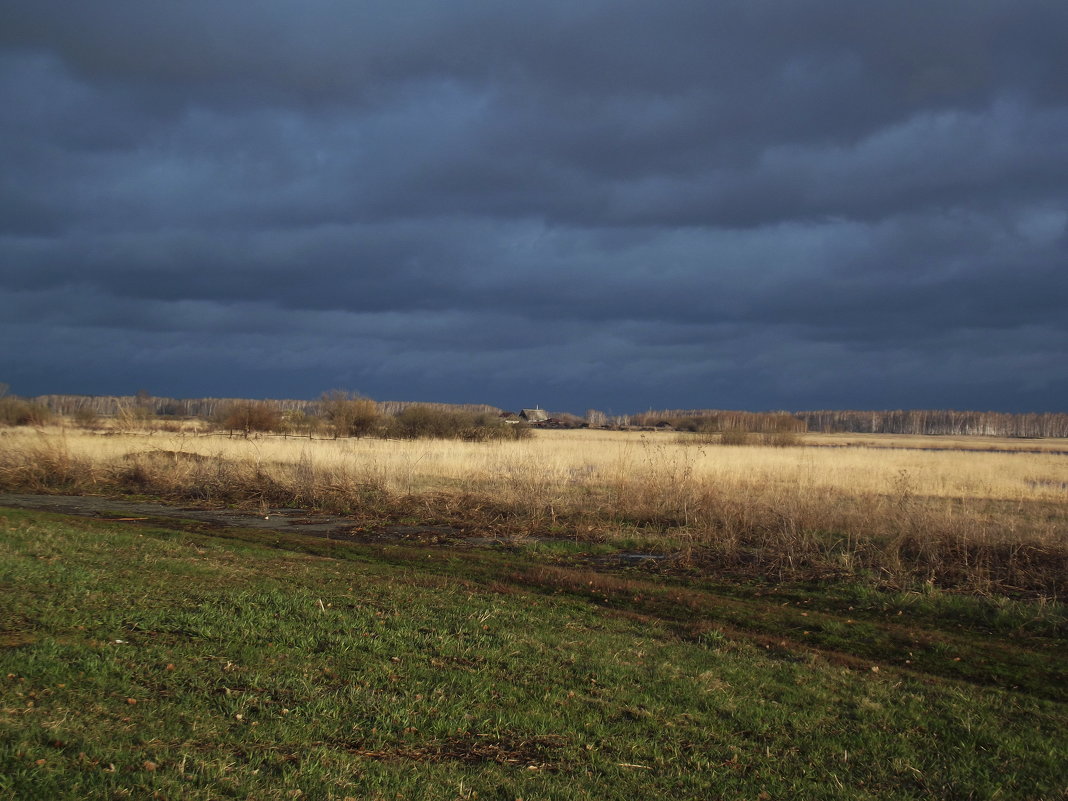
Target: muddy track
{"type": "Point", "coordinates": [610, 581]}
{"type": "Point", "coordinates": [287, 521]}
{"type": "Point", "coordinates": [321, 525]}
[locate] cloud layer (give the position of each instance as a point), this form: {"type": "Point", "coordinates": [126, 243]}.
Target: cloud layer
{"type": "Point", "coordinates": [575, 204]}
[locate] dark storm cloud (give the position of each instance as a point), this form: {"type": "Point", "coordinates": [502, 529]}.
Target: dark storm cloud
{"type": "Point", "coordinates": [618, 204]}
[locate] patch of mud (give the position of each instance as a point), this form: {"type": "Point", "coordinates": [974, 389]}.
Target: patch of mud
{"type": "Point", "coordinates": [534, 752]}
{"type": "Point", "coordinates": [287, 520]}
{"type": "Point", "coordinates": [304, 522]}
{"type": "Point", "coordinates": [121, 510]}
{"type": "Point", "coordinates": [629, 558]}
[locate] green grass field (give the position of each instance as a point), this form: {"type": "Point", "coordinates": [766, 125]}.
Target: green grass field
{"type": "Point", "coordinates": [139, 660]}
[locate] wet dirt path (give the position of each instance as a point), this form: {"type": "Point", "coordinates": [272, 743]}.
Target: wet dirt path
{"type": "Point", "coordinates": [286, 521]}
{"type": "Point", "coordinates": [118, 508]}
{"type": "Point", "coordinates": [297, 521]}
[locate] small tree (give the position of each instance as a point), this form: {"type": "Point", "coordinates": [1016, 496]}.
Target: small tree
{"type": "Point", "coordinates": [595, 418]}
{"type": "Point", "coordinates": [249, 416]}
{"type": "Point", "coordinates": [350, 414]}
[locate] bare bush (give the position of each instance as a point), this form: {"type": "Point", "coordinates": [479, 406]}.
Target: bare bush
{"type": "Point", "coordinates": [86, 417]}
{"type": "Point", "coordinates": [249, 417]}
{"type": "Point", "coordinates": [15, 411]}
{"type": "Point", "coordinates": [781, 439]}
{"type": "Point", "coordinates": [350, 414]}
{"type": "Point", "coordinates": [734, 436]}
{"type": "Point", "coordinates": [419, 422]}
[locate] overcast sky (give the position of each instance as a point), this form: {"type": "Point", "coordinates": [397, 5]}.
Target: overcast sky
{"type": "Point", "coordinates": [575, 204]}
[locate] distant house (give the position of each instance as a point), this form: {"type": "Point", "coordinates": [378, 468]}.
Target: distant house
{"type": "Point", "coordinates": [509, 417]}
{"type": "Point", "coordinates": [534, 415]}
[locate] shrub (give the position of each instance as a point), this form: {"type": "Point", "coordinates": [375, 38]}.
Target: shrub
{"type": "Point", "coordinates": [489, 426]}
{"type": "Point", "coordinates": [249, 416]}
{"type": "Point", "coordinates": [86, 417]}
{"type": "Point", "coordinates": [18, 412]}
{"type": "Point", "coordinates": [349, 414]}
{"type": "Point", "coordinates": [416, 422]}
{"type": "Point", "coordinates": [734, 436]}
{"type": "Point", "coordinates": [781, 439]}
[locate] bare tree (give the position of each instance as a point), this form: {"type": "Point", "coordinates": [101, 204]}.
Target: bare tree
{"type": "Point", "coordinates": [350, 414]}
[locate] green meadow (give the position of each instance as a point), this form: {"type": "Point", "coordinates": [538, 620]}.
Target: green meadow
{"type": "Point", "coordinates": [164, 660]}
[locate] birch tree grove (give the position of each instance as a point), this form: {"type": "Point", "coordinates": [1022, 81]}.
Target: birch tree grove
{"type": "Point", "coordinates": [915, 421]}
{"type": "Point", "coordinates": [948, 422]}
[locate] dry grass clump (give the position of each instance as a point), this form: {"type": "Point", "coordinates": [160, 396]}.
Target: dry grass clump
{"type": "Point", "coordinates": [47, 465]}
{"type": "Point", "coordinates": [984, 521]}
{"type": "Point", "coordinates": [20, 412]}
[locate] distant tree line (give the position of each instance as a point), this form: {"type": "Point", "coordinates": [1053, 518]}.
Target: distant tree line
{"type": "Point", "coordinates": [949, 422]}
{"type": "Point", "coordinates": [711, 421]}
{"type": "Point", "coordinates": [916, 421]}
{"type": "Point", "coordinates": [339, 413]}
{"type": "Point", "coordinates": [112, 405]}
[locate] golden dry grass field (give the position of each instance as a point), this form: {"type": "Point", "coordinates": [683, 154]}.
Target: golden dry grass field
{"type": "Point", "coordinates": [558, 461]}
{"type": "Point", "coordinates": [979, 511]}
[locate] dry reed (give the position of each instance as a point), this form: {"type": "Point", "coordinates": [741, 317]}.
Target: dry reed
{"type": "Point", "coordinates": [986, 521]}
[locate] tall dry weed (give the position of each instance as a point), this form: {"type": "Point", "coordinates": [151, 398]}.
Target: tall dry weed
{"type": "Point", "coordinates": [47, 465]}
{"type": "Point", "coordinates": [898, 517]}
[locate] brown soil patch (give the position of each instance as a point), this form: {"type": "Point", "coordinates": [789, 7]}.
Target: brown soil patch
{"type": "Point", "coordinates": [530, 752]}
